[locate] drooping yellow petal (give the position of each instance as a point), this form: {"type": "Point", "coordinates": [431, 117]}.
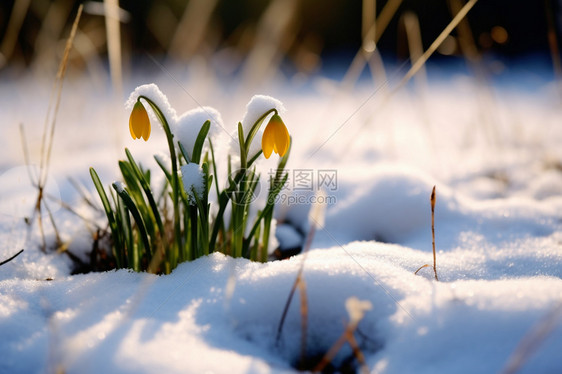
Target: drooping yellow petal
{"type": "Point", "coordinates": [275, 137]}
{"type": "Point", "coordinates": [282, 138]}
{"type": "Point", "coordinates": [268, 141]}
{"type": "Point", "coordinates": [146, 131]}
{"type": "Point", "coordinates": [139, 124]}
{"type": "Point", "coordinates": [131, 126]}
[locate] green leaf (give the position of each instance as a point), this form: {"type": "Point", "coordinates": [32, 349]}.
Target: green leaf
{"type": "Point", "coordinates": [184, 153]}
{"type": "Point", "coordinates": [123, 220]}
{"type": "Point", "coordinates": [108, 210]}
{"type": "Point", "coordinates": [164, 169]}
{"type": "Point", "coordinates": [198, 147]}
{"type": "Point", "coordinates": [148, 192]}
{"type": "Point", "coordinates": [269, 204]}
{"type": "Point", "coordinates": [131, 206]}
{"type": "Point", "coordinates": [254, 158]}
{"type": "Point", "coordinates": [243, 150]}
{"type": "Point", "coordinates": [214, 163]}
{"type": "Point", "coordinates": [133, 188]}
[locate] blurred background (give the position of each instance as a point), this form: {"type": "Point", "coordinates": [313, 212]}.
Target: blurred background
{"type": "Point", "coordinates": [481, 116]}
{"type": "Point", "coordinates": [291, 38]}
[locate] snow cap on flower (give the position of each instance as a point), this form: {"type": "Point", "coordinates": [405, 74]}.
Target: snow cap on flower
{"type": "Point", "coordinates": [193, 181]}
{"type": "Point", "coordinates": [189, 124]}
{"type": "Point", "coordinates": [258, 105]}
{"type": "Point", "coordinates": [153, 93]}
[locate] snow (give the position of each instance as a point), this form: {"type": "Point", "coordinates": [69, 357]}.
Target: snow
{"type": "Point", "coordinates": [193, 181]}
{"type": "Point", "coordinates": [256, 107]}
{"type": "Point", "coordinates": [189, 124]}
{"type": "Point", "coordinates": [498, 220]}
{"type": "Point", "coordinates": [119, 186]}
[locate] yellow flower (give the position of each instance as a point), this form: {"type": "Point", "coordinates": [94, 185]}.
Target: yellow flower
{"type": "Point", "coordinates": [139, 124]}
{"type": "Point", "coordinates": [275, 137]}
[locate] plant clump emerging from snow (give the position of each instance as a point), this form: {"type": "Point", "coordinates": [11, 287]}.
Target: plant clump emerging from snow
{"type": "Point", "coordinates": [156, 231]}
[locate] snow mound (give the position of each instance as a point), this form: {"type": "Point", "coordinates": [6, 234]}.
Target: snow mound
{"type": "Point", "coordinates": [222, 314]}
{"type": "Point", "coordinates": [189, 124]}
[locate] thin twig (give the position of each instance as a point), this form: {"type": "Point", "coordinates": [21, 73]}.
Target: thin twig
{"type": "Point", "coordinates": [304, 317]}
{"type": "Point", "coordinates": [11, 258]}
{"type": "Point", "coordinates": [533, 339]}
{"type": "Point", "coordinates": [295, 284]}
{"type": "Point", "coordinates": [413, 70]}
{"type": "Point", "coordinates": [48, 136]}
{"type": "Point", "coordinates": [334, 349]}
{"type": "Point", "coordinates": [26, 154]}
{"type": "Point", "coordinates": [46, 157]}
{"type": "Point", "coordinates": [553, 44]}
{"type": "Point", "coordinates": [436, 43]}
{"type": "Point", "coordinates": [316, 219]}
{"type": "Point", "coordinates": [432, 199]}
{"type": "Point", "coordinates": [358, 354]}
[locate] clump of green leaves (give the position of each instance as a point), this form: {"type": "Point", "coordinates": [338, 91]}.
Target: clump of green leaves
{"type": "Point", "coordinates": [155, 232]}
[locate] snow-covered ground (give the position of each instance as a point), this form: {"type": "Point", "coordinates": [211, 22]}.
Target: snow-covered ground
{"type": "Point", "coordinates": [494, 155]}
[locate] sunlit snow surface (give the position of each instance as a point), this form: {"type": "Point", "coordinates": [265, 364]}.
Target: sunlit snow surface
{"type": "Point", "coordinates": [495, 156]}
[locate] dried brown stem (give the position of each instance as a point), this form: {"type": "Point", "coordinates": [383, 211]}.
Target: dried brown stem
{"type": "Point", "coordinates": [47, 139]}
{"type": "Point", "coordinates": [304, 316]}
{"type": "Point", "coordinates": [11, 258]}
{"type": "Point", "coordinates": [432, 199]}
{"type": "Point", "coordinates": [295, 284]}
{"type": "Point", "coordinates": [348, 337]}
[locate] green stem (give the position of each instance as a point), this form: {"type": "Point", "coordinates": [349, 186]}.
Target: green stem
{"type": "Point", "coordinates": [175, 180]}
{"type": "Point", "coordinates": [195, 252]}
{"type": "Point", "coordinates": [255, 128]}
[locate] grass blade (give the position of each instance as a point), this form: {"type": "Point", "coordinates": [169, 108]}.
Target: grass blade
{"type": "Point", "coordinates": [131, 206]}
{"type": "Point", "coordinates": [198, 147]}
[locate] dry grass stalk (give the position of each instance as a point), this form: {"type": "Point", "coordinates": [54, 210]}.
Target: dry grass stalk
{"type": "Point", "coordinates": [111, 10]}
{"type": "Point", "coordinates": [371, 35]}
{"type": "Point", "coordinates": [436, 43]}
{"type": "Point", "coordinates": [52, 25]}
{"type": "Point", "coordinates": [485, 98]}
{"type": "Point", "coordinates": [19, 10]}
{"type": "Point", "coordinates": [316, 219]}
{"type": "Point", "coordinates": [415, 46]}
{"type": "Point", "coordinates": [276, 32]}
{"type": "Point", "coordinates": [533, 339]}
{"type": "Point", "coordinates": [298, 280]}
{"type": "Point", "coordinates": [195, 21]}
{"type": "Point", "coordinates": [413, 70]}
{"type": "Point", "coordinates": [356, 309]}
{"type": "Point", "coordinates": [553, 44]}
{"type": "Point", "coordinates": [304, 316]}
{"type": "Point", "coordinates": [47, 139]}
{"type": "Point", "coordinates": [11, 258]}
{"type": "Point", "coordinates": [432, 201]}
